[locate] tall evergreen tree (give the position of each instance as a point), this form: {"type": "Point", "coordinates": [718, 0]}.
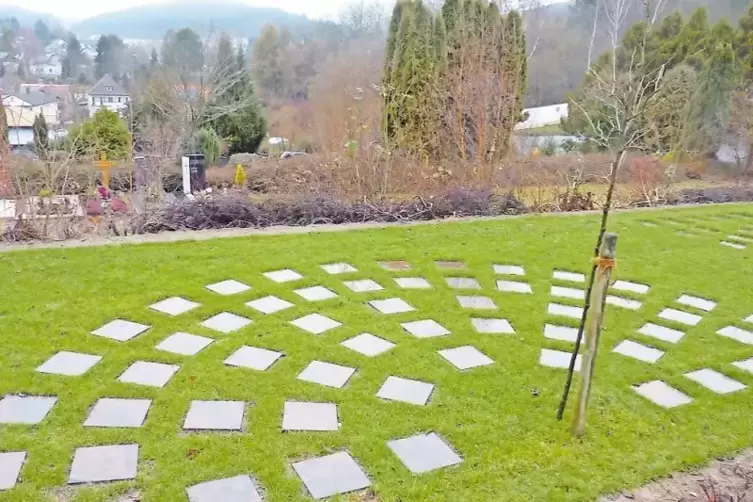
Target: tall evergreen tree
{"type": "Point", "coordinates": [41, 136]}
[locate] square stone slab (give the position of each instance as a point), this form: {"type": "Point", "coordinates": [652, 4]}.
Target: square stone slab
{"type": "Point", "coordinates": [749, 319]}
{"type": "Point", "coordinates": [215, 416]}
{"type": "Point", "coordinates": [493, 326]}
{"type": "Point", "coordinates": [229, 287]}
{"type": "Point", "coordinates": [514, 287]}
{"type": "Point", "coordinates": [184, 344]}
{"type": "Point", "coordinates": [10, 468]}
{"type": "Point", "coordinates": [316, 323]}
{"type": "Point", "coordinates": [562, 275]}
{"type": "Point", "coordinates": [509, 270]}
{"type": "Point", "coordinates": [327, 374]}
{"type": "Point", "coordinates": [631, 287]}
{"type": "Point", "coordinates": [558, 359]}
{"type": "Point", "coordinates": [565, 311]}
{"type": "Point", "coordinates": [662, 394]}
{"type": "Point", "coordinates": [363, 286]}
{"type": "Point", "coordinates": [237, 489]}
{"type": "Point", "coordinates": [624, 303]}
{"type": "Point", "coordinates": [149, 374]}
{"type": "Point", "coordinates": [285, 275]}
{"type": "Point", "coordinates": [462, 283]}
{"type": "Point", "coordinates": [732, 245]}
{"type": "Point", "coordinates": [406, 391]}
{"type": "Point", "coordinates": [29, 410]}
{"type": "Point", "coordinates": [413, 283]}
{"type": "Point", "coordinates": [174, 306]}
{"type": "Point", "coordinates": [368, 344]}
{"type": "Point", "coordinates": [309, 417]}
{"type": "Point", "coordinates": [449, 264]}
{"type": "Point", "coordinates": [715, 381]}
{"type": "Point", "coordinates": [737, 334]}
{"type": "Point", "coordinates": [661, 333]}
{"type": "Point", "coordinates": [391, 306]}
{"type": "Point", "coordinates": [467, 357]}
{"type": "Point", "coordinates": [699, 303]}
{"type": "Point", "coordinates": [395, 265]}
{"type": "Point", "coordinates": [104, 463]}
{"type": "Point", "coordinates": [746, 365]}
{"type": "Point", "coordinates": [680, 316]}
{"type": "Point", "coordinates": [424, 453]}
{"type": "Point", "coordinates": [339, 268]}
{"type": "Point", "coordinates": [121, 330]}
{"type": "Point", "coordinates": [425, 329]}
{"type": "Point", "coordinates": [226, 322]}
{"type": "Point", "coordinates": [561, 333]}
{"type": "Point", "coordinates": [316, 293]}
{"type": "Point", "coordinates": [269, 304]}
{"type": "Point", "coordinates": [573, 293]}
{"type": "Point", "coordinates": [639, 351]}
{"type": "Point", "coordinates": [69, 363]}
{"type": "Point", "coordinates": [253, 358]}
{"type": "Point", "coordinates": [331, 475]}
{"type": "Point", "coordinates": [476, 302]}
{"type": "Point", "coordinates": [110, 412]}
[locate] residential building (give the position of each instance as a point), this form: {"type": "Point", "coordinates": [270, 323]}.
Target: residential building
{"type": "Point", "coordinates": [109, 94]}
{"type": "Point", "coordinates": [541, 116]}
{"type": "Point", "coordinates": [21, 127]}
{"type": "Point", "coordinates": [48, 67]}
{"type": "Point", "coordinates": [33, 102]}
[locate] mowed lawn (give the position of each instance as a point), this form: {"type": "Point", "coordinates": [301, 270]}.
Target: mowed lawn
{"type": "Point", "coordinates": [500, 418]}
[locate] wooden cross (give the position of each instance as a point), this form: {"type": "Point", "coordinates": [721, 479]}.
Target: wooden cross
{"type": "Point", "coordinates": [104, 165]}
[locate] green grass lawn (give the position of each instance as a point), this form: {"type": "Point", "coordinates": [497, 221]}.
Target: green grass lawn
{"type": "Point", "coordinates": [499, 418]}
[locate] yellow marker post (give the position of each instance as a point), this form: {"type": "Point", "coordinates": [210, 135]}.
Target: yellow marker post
{"type": "Point", "coordinates": [104, 165]}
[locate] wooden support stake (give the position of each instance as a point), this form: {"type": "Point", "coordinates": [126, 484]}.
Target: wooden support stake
{"type": "Point", "coordinates": [605, 264]}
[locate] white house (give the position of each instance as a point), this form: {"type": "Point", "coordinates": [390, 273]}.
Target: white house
{"type": "Point", "coordinates": [49, 66]}
{"type": "Point", "coordinates": [107, 93]}
{"type": "Point", "coordinates": [33, 102]}
{"type": "Point", "coordinates": [541, 116]}
{"type": "Point", "coordinates": [89, 51]}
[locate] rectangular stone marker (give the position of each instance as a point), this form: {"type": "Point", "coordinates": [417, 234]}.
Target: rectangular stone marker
{"type": "Point", "coordinates": [28, 410]}
{"type": "Point", "coordinates": [662, 394]}
{"type": "Point", "coordinates": [746, 365]}
{"type": "Point", "coordinates": [316, 324]}
{"type": "Point", "coordinates": [215, 416]}
{"type": "Point", "coordinates": [425, 329]}
{"type": "Point", "coordinates": [467, 357]}
{"type": "Point", "coordinates": [226, 322]}
{"type": "Point", "coordinates": [565, 311]}
{"type": "Point", "coordinates": [514, 287]}
{"type": "Point", "coordinates": [69, 364]}
{"type": "Point", "coordinates": [406, 391]}
{"type": "Point", "coordinates": [149, 374]}
{"type": "Point", "coordinates": [699, 303]}
{"type": "Point", "coordinates": [661, 333]}
{"type": "Point", "coordinates": [493, 326]}
{"type": "Point", "coordinates": [301, 416]}
{"type": "Point", "coordinates": [229, 287]}
{"type": "Point", "coordinates": [331, 475]}
{"type": "Point", "coordinates": [339, 268]}
{"type": "Point", "coordinates": [424, 453]}
{"type": "Point", "coordinates": [104, 463]}
{"type": "Point", "coordinates": [394, 265]}
{"type": "Point", "coordinates": [363, 286]}
{"type": "Point", "coordinates": [327, 374]}
{"type": "Point", "coordinates": [112, 412]}
{"type": "Point", "coordinates": [174, 306]}
{"type": "Point", "coordinates": [680, 316]}
{"type": "Point", "coordinates": [749, 319]}
{"type": "Point", "coordinates": [476, 302]}
{"type": "Point", "coordinates": [715, 381]}
{"type": "Point", "coordinates": [562, 275]}
{"type": "Point", "coordinates": [253, 358]}
{"type": "Point", "coordinates": [368, 344]}
{"type": "Point", "coordinates": [462, 283]}
{"type": "Point", "coordinates": [631, 287]}
{"type": "Point", "coordinates": [391, 306]}
{"type": "Point", "coordinates": [316, 293]}
{"type": "Point", "coordinates": [413, 283]}
{"type": "Point", "coordinates": [509, 270]}
{"type": "Point", "coordinates": [737, 334]}
{"type": "Point", "coordinates": [572, 293]}
{"type": "Point", "coordinates": [184, 344]}
{"type": "Point", "coordinates": [624, 303]}
{"type": "Point", "coordinates": [236, 489]}
{"type": "Point", "coordinates": [638, 351]}
{"type": "Point", "coordinates": [10, 467]}
{"type": "Point", "coordinates": [269, 304]}
{"type": "Point", "coordinates": [452, 265]}
{"type": "Point", "coordinates": [120, 330]}
{"type": "Point", "coordinates": [732, 245]}
{"type": "Point", "coordinates": [558, 359]}
{"type": "Point", "coordinates": [562, 333]}
{"type": "Point", "coordinates": [281, 276]}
